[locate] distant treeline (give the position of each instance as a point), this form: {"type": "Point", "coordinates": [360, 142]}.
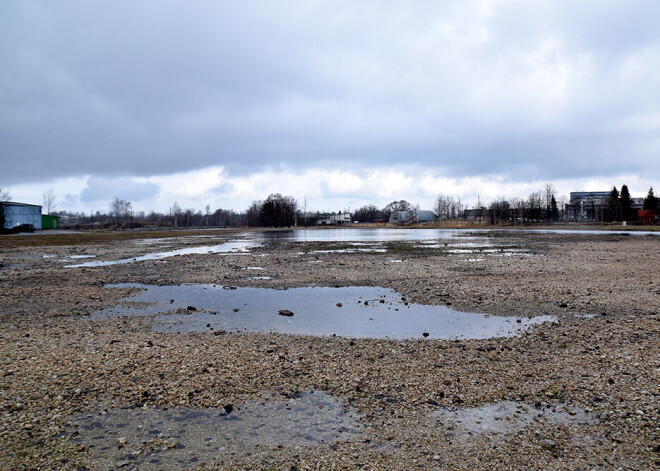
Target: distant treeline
{"type": "Point", "coordinates": [285, 211]}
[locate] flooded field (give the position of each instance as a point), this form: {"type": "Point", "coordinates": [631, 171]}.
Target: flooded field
{"type": "Point", "coordinates": [347, 312]}
{"type": "Point", "coordinates": [451, 241]}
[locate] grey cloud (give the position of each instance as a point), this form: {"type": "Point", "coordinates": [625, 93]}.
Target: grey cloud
{"type": "Point", "coordinates": [133, 89]}
{"type": "Point", "coordinates": [101, 189]}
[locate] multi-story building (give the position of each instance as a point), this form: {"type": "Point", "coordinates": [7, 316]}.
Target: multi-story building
{"type": "Point", "coordinates": [587, 206]}
{"type": "Point", "coordinates": [593, 206]}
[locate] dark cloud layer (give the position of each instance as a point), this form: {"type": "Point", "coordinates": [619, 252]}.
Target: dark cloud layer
{"type": "Point", "coordinates": [150, 88]}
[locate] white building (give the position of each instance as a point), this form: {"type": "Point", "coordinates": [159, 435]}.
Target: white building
{"type": "Point", "coordinates": [327, 219]}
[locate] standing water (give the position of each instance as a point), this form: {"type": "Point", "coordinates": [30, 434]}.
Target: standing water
{"type": "Point", "coordinates": [348, 312]}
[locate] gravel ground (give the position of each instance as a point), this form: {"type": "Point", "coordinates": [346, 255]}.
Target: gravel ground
{"type": "Point", "coordinates": [600, 360]}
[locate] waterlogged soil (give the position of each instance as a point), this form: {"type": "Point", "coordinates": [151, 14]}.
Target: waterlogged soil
{"type": "Point", "coordinates": [185, 437]}
{"type": "Point", "coordinates": [507, 417]}
{"type": "Point", "coordinates": [600, 361]}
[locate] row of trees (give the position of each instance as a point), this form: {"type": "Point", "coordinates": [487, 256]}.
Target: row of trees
{"type": "Point", "coordinates": [537, 207]}
{"type": "Point", "coordinates": [283, 211]}
{"type": "Point", "coordinates": [619, 205]}
{"type": "Point", "coordinates": [370, 212]}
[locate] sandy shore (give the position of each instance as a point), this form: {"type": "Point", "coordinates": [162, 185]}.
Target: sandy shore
{"type": "Point", "coordinates": [599, 363]}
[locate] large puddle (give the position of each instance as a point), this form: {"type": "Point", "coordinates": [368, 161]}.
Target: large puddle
{"type": "Point", "coordinates": [348, 312]}
{"type": "Point", "coordinates": [184, 438]}
{"type": "Point", "coordinates": [508, 417]}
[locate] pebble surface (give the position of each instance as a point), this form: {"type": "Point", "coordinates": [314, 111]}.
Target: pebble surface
{"type": "Point", "coordinates": [602, 357]}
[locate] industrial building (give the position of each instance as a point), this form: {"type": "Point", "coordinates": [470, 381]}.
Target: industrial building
{"type": "Point", "coordinates": [21, 213]}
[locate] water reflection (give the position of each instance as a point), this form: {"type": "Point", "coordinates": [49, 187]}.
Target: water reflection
{"type": "Point", "coordinates": [349, 312]}
{"type": "Point", "coordinates": [227, 247]}
{"type": "Point", "coordinates": [390, 234]}
{"type": "Point", "coordinates": [363, 235]}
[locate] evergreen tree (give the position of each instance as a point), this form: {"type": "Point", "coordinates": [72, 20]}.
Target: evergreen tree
{"type": "Point", "coordinates": [554, 210]}
{"type": "Point", "coordinates": [626, 204]}
{"type": "Point", "coordinates": [651, 201]}
{"type": "Point", "coordinates": [613, 205]}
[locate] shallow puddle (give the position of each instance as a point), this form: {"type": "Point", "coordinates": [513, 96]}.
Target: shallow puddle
{"type": "Point", "coordinates": [227, 247]}
{"type": "Point", "coordinates": [508, 417]}
{"type": "Point", "coordinates": [183, 438]}
{"type": "Point", "coordinates": [348, 312]}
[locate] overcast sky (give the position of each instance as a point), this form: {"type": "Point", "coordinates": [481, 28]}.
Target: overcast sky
{"type": "Point", "coordinates": [344, 102]}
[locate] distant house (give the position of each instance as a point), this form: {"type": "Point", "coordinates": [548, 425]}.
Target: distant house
{"type": "Point", "coordinates": [477, 215]}
{"type": "Point", "coordinates": [333, 219]}
{"type": "Point", "coordinates": [21, 213]}
{"type": "Point", "coordinates": [412, 216]}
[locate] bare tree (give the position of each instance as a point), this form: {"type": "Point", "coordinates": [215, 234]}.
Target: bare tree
{"type": "Point", "coordinates": [175, 212]}
{"type": "Point", "coordinates": [4, 195]}
{"type": "Point", "coordinates": [401, 205]}
{"type": "Point", "coordinates": [279, 210]}
{"type": "Point", "coordinates": [367, 213]}
{"type": "Point", "coordinates": [447, 207]}
{"type": "Point", "coordinates": [253, 213]}
{"type": "Point", "coordinates": [121, 210]}
{"type": "Point", "coordinates": [549, 191]}
{"type": "Point", "coordinates": [440, 207]}
{"type": "Point", "coordinates": [49, 198]}
{"type": "Point", "coordinates": [550, 194]}
{"type": "Point", "coordinates": [305, 209]}
{"type": "Point", "coordinates": [535, 206]}
{"type": "Point", "coordinates": [499, 210]}
{"type": "Point", "coordinates": [208, 212]}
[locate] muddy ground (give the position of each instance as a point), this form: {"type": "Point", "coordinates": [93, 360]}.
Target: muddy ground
{"type": "Point", "coordinates": [599, 360]}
